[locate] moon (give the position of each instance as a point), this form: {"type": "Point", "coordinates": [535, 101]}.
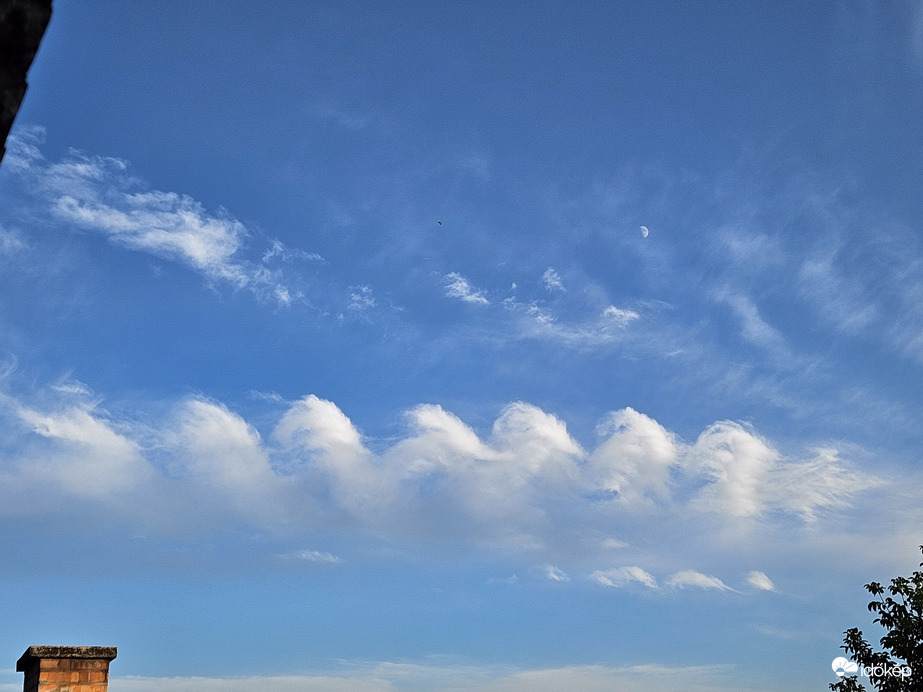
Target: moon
{"type": "Point", "coordinates": [644, 232]}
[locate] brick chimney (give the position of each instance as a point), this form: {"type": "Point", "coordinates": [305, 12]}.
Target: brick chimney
{"type": "Point", "coordinates": [66, 668]}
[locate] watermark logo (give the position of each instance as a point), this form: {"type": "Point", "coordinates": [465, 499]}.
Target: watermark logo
{"type": "Point", "coordinates": [843, 666]}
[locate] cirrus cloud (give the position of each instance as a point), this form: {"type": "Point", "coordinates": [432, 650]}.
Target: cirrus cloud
{"type": "Point", "coordinates": [99, 195]}
{"type": "Point", "coordinates": [457, 286]}
{"type": "Point", "coordinates": [622, 576]}
{"type": "Point", "coordinates": [691, 578]}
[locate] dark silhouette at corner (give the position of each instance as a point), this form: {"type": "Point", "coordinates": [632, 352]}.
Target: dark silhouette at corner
{"type": "Point", "coordinates": [22, 25]}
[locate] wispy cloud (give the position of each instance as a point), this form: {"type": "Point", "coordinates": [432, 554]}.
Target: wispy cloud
{"type": "Point", "coordinates": [361, 300]}
{"type": "Point", "coordinates": [622, 576]}
{"type": "Point", "coordinates": [536, 321]}
{"type": "Point", "coordinates": [759, 580]}
{"type": "Point", "coordinates": [391, 677]}
{"type": "Point", "coordinates": [553, 573]}
{"type": "Point", "coordinates": [755, 330]}
{"type": "Point", "coordinates": [551, 280]}
{"type": "Point", "coordinates": [691, 578]}
{"type": "Point", "coordinates": [842, 301]}
{"type": "Point", "coordinates": [619, 316]}
{"type": "Point", "coordinates": [315, 556]}
{"type": "Point", "coordinates": [99, 195]}
{"type": "Point", "coordinates": [457, 286]}
{"type": "Point", "coordinates": [10, 242]}
{"type": "Point", "coordinates": [749, 478]}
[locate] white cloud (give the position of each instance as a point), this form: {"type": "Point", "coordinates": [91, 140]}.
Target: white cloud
{"type": "Point", "coordinates": [499, 486]}
{"type": "Point", "coordinates": [361, 300]}
{"type": "Point", "coordinates": [87, 457]}
{"type": "Point", "coordinates": [552, 281]}
{"type": "Point", "coordinates": [619, 316]}
{"type": "Point", "coordinates": [539, 322]}
{"type": "Point", "coordinates": [319, 436]}
{"type": "Point", "coordinates": [164, 224]}
{"type": "Point", "coordinates": [839, 299]}
{"type": "Point", "coordinates": [538, 442]}
{"type": "Point", "coordinates": [747, 477]}
{"type": "Point", "coordinates": [622, 576]}
{"type": "Point", "coordinates": [395, 677]}
{"type": "Point", "coordinates": [23, 147]}
{"type": "Point", "coordinates": [691, 578]}
{"type": "Point", "coordinates": [280, 683]}
{"type": "Point", "coordinates": [218, 451]}
{"type": "Point", "coordinates": [760, 581]}
{"type": "Point", "coordinates": [751, 249]}
{"type": "Point", "coordinates": [457, 286]}
{"type": "Point", "coordinates": [823, 482]}
{"type": "Point", "coordinates": [736, 464]}
{"type": "Point", "coordinates": [524, 486]}
{"type": "Point", "coordinates": [440, 441]}
{"type": "Point", "coordinates": [613, 544]}
{"type": "Point", "coordinates": [755, 329]}
{"type": "Point", "coordinates": [555, 574]}
{"type": "Point", "coordinates": [316, 556]}
{"type": "Point", "coordinates": [97, 194]}
{"type": "Point", "coordinates": [11, 242]}
{"type": "Point", "coordinates": [635, 458]}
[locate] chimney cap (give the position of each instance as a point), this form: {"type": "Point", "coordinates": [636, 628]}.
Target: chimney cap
{"type": "Point", "coordinates": [35, 653]}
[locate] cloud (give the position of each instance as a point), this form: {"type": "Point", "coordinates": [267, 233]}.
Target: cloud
{"type": "Point", "coordinates": [320, 440]}
{"type": "Point", "coordinates": [691, 578]}
{"type": "Point", "coordinates": [760, 581]}
{"type": "Point", "coordinates": [539, 322]}
{"type": "Point", "coordinates": [554, 573]}
{"type": "Point", "coordinates": [552, 281]}
{"type": "Point", "coordinates": [165, 224]}
{"type": "Point", "coordinates": [755, 329]}
{"type": "Point", "coordinates": [394, 677]}
{"type": "Point", "coordinates": [11, 242]}
{"type": "Point", "coordinates": [619, 316]}
{"type": "Point", "coordinates": [220, 454]}
{"type": "Point", "coordinates": [823, 482]}
{"type": "Point", "coordinates": [622, 576]}
{"type": "Point", "coordinates": [457, 286]}
{"type": "Point", "coordinates": [497, 486]}
{"type": "Point", "coordinates": [525, 486]}
{"type": "Point", "coordinates": [747, 477]}
{"type": "Point", "coordinates": [99, 195]}
{"type": "Point", "coordinates": [635, 459]}
{"type": "Point", "coordinates": [840, 300]}
{"type": "Point", "coordinates": [86, 456]}
{"type": "Point", "coordinates": [736, 464]}
{"type": "Point", "coordinates": [316, 557]}
{"type": "Point", "coordinates": [613, 544]}
{"type": "Point", "coordinates": [361, 301]}
{"type": "Point", "coordinates": [281, 683]}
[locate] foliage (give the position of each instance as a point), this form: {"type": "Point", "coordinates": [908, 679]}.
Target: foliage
{"type": "Point", "coordinates": [900, 612]}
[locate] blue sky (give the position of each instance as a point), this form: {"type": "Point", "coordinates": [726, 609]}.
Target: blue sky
{"type": "Point", "coordinates": [335, 356]}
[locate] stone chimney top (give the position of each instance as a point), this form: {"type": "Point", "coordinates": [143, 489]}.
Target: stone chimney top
{"type": "Point", "coordinates": [66, 668]}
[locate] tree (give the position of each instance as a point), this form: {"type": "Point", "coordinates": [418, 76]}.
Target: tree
{"type": "Point", "coordinates": [899, 666]}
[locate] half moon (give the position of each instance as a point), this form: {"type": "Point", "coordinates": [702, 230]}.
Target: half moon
{"type": "Point", "coordinates": [644, 232]}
